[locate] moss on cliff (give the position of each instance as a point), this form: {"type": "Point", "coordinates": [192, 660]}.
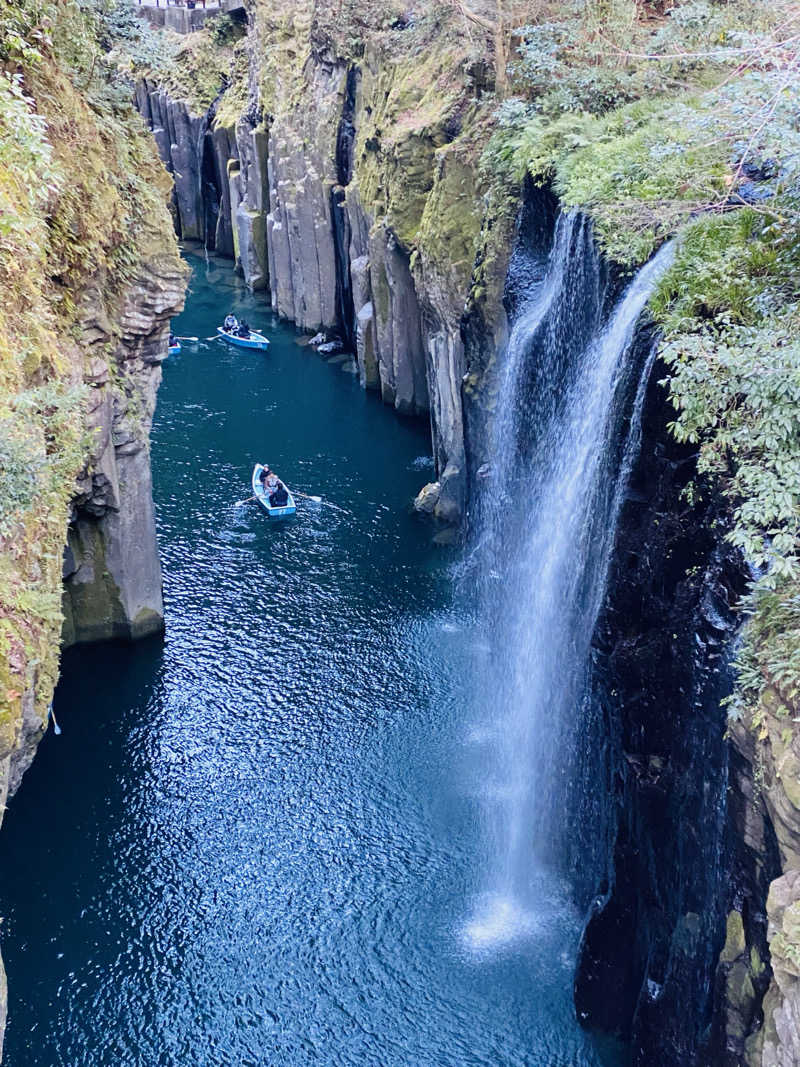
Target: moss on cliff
{"type": "Point", "coordinates": [82, 199]}
{"type": "Point", "coordinates": [194, 68]}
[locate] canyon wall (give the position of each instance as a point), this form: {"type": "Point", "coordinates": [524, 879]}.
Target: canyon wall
{"type": "Point", "coordinates": [341, 168]}
{"type": "Point", "coordinates": [347, 189]}
{"type": "Point", "coordinates": [91, 273]}
{"type": "Point", "coordinates": [112, 576]}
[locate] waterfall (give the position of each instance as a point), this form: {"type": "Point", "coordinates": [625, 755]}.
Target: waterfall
{"type": "Point", "coordinates": [568, 407]}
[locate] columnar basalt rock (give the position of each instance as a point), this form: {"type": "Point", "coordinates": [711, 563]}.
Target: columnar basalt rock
{"type": "Point", "coordinates": [772, 802]}
{"type": "Point", "coordinates": [112, 578]}
{"type": "Point", "coordinates": [338, 207]}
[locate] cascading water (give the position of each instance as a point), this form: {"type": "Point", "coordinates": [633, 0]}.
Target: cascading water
{"type": "Point", "coordinates": [566, 432]}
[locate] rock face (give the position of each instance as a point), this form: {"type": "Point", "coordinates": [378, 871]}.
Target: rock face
{"type": "Point", "coordinates": [356, 215]}
{"type": "Point", "coordinates": [657, 921]}
{"type": "Point", "coordinates": [689, 948]}
{"type": "Point", "coordinates": [770, 811]}
{"type": "Point", "coordinates": [112, 577]}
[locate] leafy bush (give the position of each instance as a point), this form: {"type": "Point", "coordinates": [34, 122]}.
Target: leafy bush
{"type": "Point", "coordinates": [737, 393]}
{"type": "Point", "coordinates": [711, 155]}
{"type": "Point", "coordinates": [21, 454]}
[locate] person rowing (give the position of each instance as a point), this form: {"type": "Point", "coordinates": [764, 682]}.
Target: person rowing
{"type": "Point", "coordinates": [279, 498]}
{"type": "Point", "coordinates": [276, 492]}
{"type": "Point", "coordinates": [244, 329]}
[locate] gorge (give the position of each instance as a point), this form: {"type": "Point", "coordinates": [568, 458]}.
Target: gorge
{"type": "Point", "coordinates": [531, 795]}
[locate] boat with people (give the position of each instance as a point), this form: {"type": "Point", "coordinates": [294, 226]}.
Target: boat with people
{"type": "Point", "coordinates": [174, 345]}
{"type": "Point", "coordinates": [277, 501]}
{"type": "Point", "coordinates": [253, 340]}
{"type": "Point", "coordinates": [239, 333]}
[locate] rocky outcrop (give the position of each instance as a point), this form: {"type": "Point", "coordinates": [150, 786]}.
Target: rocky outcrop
{"type": "Point", "coordinates": [343, 188]}
{"type": "Point", "coordinates": [769, 752]}
{"type": "Point", "coordinates": [675, 880]}
{"type": "Point", "coordinates": [112, 577]}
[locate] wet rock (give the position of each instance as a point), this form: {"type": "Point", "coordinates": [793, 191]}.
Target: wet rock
{"type": "Point", "coordinates": [677, 890]}
{"type": "Point", "coordinates": [428, 497]}
{"type": "Point", "coordinates": [330, 348]}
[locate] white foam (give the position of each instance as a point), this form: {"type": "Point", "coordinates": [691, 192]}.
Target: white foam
{"type": "Point", "coordinates": [499, 921]}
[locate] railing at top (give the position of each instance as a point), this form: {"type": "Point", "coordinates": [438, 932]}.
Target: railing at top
{"type": "Point", "coordinates": [182, 3]}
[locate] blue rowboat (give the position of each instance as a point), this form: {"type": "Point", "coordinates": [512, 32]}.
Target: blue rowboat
{"type": "Point", "coordinates": [255, 340]}
{"type": "Point", "coordinates": [174, 349]}
{"type": "Point", "coordinates": [261, 496]}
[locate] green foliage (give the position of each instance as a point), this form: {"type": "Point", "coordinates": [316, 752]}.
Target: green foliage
{"type": "Point", "coordinates": [41, 448]}
{"type": "Point", "coordinates": [770, 654]}
{"type": "Point", "coordinates": [737, 393]}
{"type": "Point", "coordinates": [734, 268]}
{"type": "Point", "coordinates": [194, 68]}
{"type": "Point", "coordinates": [224, 30]}
{"type": "Point", "coordinates": [24, 31]}
{"type": "Point", "coordinates": [596, 55]}
{"type": "Point", "coordinates": [21, 454]}
{"type": "Point", "coordinates": [132, 45]}
{"type": "Point", "coordinates": [710, 154]}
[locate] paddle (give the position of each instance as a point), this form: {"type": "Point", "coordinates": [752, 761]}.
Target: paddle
{"type": "Point", "coordinates": [318, 500]}
{"type": "Point", "coordinates": [56, 727]}
{"type": "Point", "coordinates": [305, 496]}
{"type": "Point", "coordinates": [179, 338]}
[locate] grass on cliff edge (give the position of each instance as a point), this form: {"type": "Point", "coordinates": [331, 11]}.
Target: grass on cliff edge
{"type": "Point", "coordinates": [82, 200]}
{"type": "Point", "coordinates": [711, 154]}
{"type": "Point", "coordinates": [194, 67]}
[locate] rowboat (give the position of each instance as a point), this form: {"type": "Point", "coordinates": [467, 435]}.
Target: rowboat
{"type": "Point", "coordinates": [261, 496]}
{"type": "Point", "coordinates": [255, 340]}
{"type": "Point", "coordinates": [174, 349]}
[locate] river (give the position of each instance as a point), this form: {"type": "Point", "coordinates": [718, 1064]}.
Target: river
{"type": "Point", "coordinates": [255, 841]}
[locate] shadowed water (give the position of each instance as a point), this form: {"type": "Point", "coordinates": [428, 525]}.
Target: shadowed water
{"type": "Point", "coordinates": [255, 843]}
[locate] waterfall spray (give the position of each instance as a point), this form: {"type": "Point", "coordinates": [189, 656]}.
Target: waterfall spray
{"type": "Point", "coordinates": [569, 404]}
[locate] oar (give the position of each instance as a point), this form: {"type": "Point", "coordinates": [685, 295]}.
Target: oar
{"type": "Point", "coordinates": [239, 503]}
{"type": "Point", "coordinates": [56, 727]}
{"type": "Point", "coordinates": [318, 500]}
{"type": "Point", "coordinates": [179, 338]}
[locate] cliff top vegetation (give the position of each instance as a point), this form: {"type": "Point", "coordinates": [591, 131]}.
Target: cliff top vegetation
{"type": "Point", "coordinates": [82, 202]}
{"type": "Point", "coordinates": [679, 120]}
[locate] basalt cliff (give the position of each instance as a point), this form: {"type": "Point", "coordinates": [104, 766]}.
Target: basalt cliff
{"type": "Point", "coordinates": [373, 171]}
{"type": "Point", "coordinates": [91, 276]}
{"type": "Point", "coordinates": [356, 167]}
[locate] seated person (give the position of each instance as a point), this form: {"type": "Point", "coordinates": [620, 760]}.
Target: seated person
{"type": "Point", "coordinates": [231, 323]}
{"type": "Point", "coordinates": [244, 329]}
{"type": "Point", "coordinates": [280, 497]}
{"type": "Point", "coordinates": [268, 479]}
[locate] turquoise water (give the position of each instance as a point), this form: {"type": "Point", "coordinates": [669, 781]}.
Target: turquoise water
{"type": "Point", "coordinates": [258, 841]}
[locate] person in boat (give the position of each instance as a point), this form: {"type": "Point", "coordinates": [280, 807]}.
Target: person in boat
{"type": "Point", "coordinates": [279, 498]}
{"type": "Point", "coordinates": [269, 480]}
{"type": "Point", "coordinates": [173, 340]}
{"type": "Point", "coordinates": [244, 329]}
{"type": "Point", "coordinates": [231, 323]}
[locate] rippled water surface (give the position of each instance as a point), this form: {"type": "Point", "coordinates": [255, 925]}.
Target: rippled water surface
{"type": "Point", "coordinates": [255, 843]}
